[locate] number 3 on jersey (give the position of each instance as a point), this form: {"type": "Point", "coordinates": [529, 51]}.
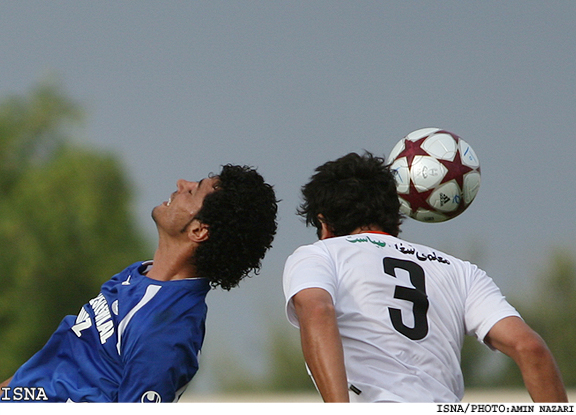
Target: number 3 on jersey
{"type": "Point", "coordinates": [416, 295]}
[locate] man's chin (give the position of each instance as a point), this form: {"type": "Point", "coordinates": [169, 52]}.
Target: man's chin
{"type": "Point", "coordinates": [154, 214]}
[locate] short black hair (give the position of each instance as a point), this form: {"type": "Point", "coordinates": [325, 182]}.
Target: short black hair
{"type": "Point", "coordinates": [241, 218]}
{"type": "Point", "coordinates": [351, 192]}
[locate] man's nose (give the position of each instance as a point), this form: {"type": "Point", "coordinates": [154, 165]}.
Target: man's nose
{"type": "Point", "coordinates": [184, 185]}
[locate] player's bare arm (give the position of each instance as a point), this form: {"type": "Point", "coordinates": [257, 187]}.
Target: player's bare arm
{"type": "Point", "coordinates": [542, 378]}
{"type": "Point", "coordinates": [321, 343]}
{"type": "Point", "coordinates": [4, 384]}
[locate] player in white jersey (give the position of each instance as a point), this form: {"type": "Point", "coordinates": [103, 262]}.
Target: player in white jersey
{"type": "Point", "coordinates": [383, 320]}
{"type": "Point", "coordinates": [139, 339]}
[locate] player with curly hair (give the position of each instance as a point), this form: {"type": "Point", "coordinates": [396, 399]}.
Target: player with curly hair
{"type": "Point", "coordinates": [139, 339]}
{"type": "Point", "coordinates": [384, 320]}
{"type": "Point", "coordinates": [241, 219]}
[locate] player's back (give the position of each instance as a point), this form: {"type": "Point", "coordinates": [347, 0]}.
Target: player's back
{"type": "Point", "coordinates": [402, 310]}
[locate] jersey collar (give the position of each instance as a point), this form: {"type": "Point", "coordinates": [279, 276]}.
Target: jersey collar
{"type": "Point", "coordinates": [378, 232]}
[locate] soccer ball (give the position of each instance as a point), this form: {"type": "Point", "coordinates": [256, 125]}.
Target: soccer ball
{"type": "Point", "coordinates": [437, 174]}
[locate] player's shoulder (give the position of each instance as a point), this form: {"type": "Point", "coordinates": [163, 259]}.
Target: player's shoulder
{"type": "Point", "coordinates": [309, 252]}
{"type": "Point", "coordinates": [309, 248]}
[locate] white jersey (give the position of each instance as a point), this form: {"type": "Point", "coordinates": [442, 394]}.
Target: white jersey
{"type": "Point", "coordinates": [402, 309]}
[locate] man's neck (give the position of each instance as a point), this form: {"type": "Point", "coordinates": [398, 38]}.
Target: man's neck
{"type": "Point", "coordinates": [326, 233]}
{"type": "Point", "coordinates": [172, 263]}
{"type": "Point", "coordinates": [369, 228]}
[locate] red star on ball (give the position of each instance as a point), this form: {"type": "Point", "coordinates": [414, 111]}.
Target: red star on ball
{"type": "Point", "coordinates": [419, 200]}
{"type": "Point", "coordinates": [412, 149]}
{"type": "Point", "coordinates": [455, 169]}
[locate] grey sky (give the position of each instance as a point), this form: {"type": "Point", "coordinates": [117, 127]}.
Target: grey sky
{"type": "Point", "coordinates": [178, 88]}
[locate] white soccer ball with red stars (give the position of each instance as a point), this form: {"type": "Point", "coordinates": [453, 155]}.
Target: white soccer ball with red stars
{"type": "Point", "coordinates": [437, 174]}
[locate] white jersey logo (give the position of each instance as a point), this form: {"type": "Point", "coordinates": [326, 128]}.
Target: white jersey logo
{"type": "Point", "coordinates": [151, 397]}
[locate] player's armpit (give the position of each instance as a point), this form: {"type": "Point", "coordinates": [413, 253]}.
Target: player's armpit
{"type": "Point", "coordinates": [513, 337]}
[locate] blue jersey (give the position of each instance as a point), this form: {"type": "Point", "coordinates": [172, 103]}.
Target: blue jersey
{"type": "Point", "coordinates": [137, 341]}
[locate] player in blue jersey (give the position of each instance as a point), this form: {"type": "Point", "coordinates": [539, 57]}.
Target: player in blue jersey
{"type": "Point", "coordinates": [138, 340]}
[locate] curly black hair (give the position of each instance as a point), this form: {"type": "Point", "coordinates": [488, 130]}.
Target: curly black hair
{"type": "Point", "coordinates": [351, 192]}
{"type": "Point", "coordinates": [241, 216]}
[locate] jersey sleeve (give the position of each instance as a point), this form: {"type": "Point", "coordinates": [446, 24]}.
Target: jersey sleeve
{"type": "Point", "coordinates": [485, 304]}
{"type": "Point", "coordinates": [308, 267]}
{"type": "Point", "coordinates": [160, 355]}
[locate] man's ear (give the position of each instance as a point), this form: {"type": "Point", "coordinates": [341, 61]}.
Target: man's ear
{"type": "Point", "coordinates": [325, 230]}
{"type": "Point", "coordinates": [198, 231]}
